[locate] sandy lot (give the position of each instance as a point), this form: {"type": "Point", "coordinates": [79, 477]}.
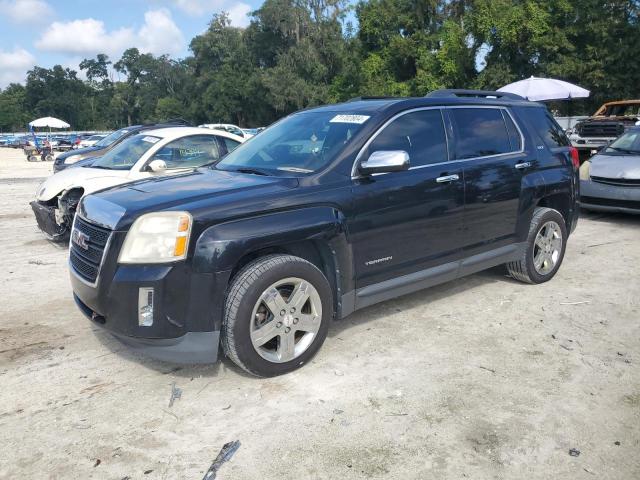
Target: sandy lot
{"type": "Point", "coordinates": [483, 378]}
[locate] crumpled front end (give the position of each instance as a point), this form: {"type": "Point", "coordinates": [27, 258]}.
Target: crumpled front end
{"type": "Point", "coordinates": [55, 216]}
{"type": "Point", "coordinates": [48, 222]}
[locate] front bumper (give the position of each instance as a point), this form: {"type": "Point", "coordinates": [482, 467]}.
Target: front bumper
{"type": "Point", "coordinates": [186, 312]}
{"type": "Point", "coordinates": [192, 347]}
{"type": "Point", "coordinates": [46, 218]}
{"type": "Point", "coordinates": [609, 198]}
{"type": "Point", "coordinates": [589, 143]}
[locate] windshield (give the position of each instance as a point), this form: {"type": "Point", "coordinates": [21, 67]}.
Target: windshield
{"type": "Point", "coordinates": [112, 137]}
{"type": "Point", "coordinates": [302, 143]}
{"type": "Point", "coordinates": [623, 110]}
{"type": "Point", "coordinates": [628, 143]}
{"type": "Point", "coordinates": [127, 153]}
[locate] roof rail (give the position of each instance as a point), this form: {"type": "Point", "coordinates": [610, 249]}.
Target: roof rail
{"type": "Point", "coordinates": [453, 92]}
{"type": "Point", "coordinates": [175, 121]}
{"type": "Point", "coordinates": [357, 99]}
{"type": "Point", "coordinates": [178, 122]}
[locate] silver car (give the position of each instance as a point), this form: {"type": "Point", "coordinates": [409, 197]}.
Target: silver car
{"type": "Point", "coordinates": [610, 180]}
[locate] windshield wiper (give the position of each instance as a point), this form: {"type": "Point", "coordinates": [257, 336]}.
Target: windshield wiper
{"type": "Point", "coordinates": [251, 171]}
{"type": "Point", "coordinates": [97, 166]}
{"type": "Point", "coordinates": [625, 150]}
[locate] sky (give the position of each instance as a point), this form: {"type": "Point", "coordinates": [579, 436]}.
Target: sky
{"type": "Point", "coordinates": [64, 32]}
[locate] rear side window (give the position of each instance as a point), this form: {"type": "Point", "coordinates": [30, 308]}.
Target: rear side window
{"type": "Point", "coordinates": [514, 136]}
{"type": "Point", "coordinates": [480, 132]}
{"type": "Point", "coordinates": [230, 145]}
{"type": "Point", "coordinates": [420, 134]}
{"type": "Point", "coordinates": [546, 126]}
{"type": "Point", "coordinates": [190, 152]}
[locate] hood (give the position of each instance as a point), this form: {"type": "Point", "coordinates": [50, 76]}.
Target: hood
{"type": "Point", "coordinates": [86, 151]}
{"type": "Point", "coordinates": [615, 166]}
{"type": "Point", "coordinates": [205, 192]}
{"type": "Point", "coordinates": [89, 179]}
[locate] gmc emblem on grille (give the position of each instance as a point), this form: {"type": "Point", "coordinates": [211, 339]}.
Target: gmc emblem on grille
{"type": "Point", "coordinates": [80, 239]}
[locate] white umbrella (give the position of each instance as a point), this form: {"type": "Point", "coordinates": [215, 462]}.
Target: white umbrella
{"type": "Point", "coordinates": [537, 89]}
{"type": "Point", "coordinates": [49, 122]}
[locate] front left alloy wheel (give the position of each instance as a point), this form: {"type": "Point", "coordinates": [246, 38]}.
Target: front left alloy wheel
{"type": "Point", "coordinates": [277, 314]}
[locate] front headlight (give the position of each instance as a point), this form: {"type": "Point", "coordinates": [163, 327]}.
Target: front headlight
{"type": "Point", "coordinates": [72, 159]}
{"type": "Point", "coordinates": [160, 237]}
{"type": "Point", "coordinates": [585, 170]}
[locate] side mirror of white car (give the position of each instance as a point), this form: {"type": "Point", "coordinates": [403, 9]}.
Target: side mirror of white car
{"type": "Point", "coordinates": [157, 166]}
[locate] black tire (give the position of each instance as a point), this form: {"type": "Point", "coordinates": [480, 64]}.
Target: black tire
{"type": "Point", "coordinates": [524, 269]}
{"type": "Point", "coordinates": [245, 290]}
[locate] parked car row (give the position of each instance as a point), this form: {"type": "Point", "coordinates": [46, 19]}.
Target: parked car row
{"type": "Point", "coordinates": [59, 142]}
{"type": "Point", "coordinates": [181, 243]}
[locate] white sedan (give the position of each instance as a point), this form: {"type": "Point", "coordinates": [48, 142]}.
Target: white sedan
{"type": "Point", "coordinates": [90, 141]}
{"type": "Point", "coordinates": [148, 154]}
{"type": "Point", "coordinates": [227, 127]}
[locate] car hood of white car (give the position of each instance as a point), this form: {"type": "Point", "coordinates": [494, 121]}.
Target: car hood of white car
{"type": "Point", "coordinates": [87, 178]}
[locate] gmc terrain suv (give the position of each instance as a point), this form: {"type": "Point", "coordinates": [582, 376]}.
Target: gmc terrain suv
{"type": "Point", "coordinates": [327, 211]}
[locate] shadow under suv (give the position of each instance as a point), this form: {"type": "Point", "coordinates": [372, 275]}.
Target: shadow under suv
{"type": "Point", "coordinates": [329, 210]}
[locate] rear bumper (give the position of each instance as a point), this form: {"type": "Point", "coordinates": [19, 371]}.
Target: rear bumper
{"type": "Point", "coordinates": [609, 198]}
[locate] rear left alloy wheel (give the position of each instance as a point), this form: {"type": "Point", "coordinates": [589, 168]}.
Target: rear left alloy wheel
{"type": "Point", "coordinates": [544, 250]}
{"type": "Point", "coordinates": [277, 314]}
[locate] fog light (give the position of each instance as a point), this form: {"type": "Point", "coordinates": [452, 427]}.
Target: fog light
{"type": "Point", "coordinates": [145, 307]}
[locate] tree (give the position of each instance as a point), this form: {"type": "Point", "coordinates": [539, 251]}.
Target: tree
{"type": "Point", "coordinates": [13, 116]}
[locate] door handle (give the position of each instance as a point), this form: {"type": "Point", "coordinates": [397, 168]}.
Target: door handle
{"type": "Point", "coordinates": [523, 165]}
{"type": "Point", "coordinates": [448, 178]}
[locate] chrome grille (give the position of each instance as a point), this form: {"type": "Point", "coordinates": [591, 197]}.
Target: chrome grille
{"type": "Point", "coordinates": [86, 262]}
{"type": "Point", "coordinates": [600, 129]}
{"type": "Point", "coordinates": [619, 182]}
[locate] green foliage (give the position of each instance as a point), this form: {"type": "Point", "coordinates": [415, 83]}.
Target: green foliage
{"type": "Point", "coordinates": [301, 53]}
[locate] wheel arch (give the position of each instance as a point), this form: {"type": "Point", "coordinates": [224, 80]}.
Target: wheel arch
{"type": "Point", "coordinates": [315, 234]}
{"type": "Point", "coordinates": [560, 202]}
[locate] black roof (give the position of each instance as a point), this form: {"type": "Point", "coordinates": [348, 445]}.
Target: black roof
{"type": "Point", "coordinates": [177, 122]}
{"type": "Point", "coordinates": [373, 105]}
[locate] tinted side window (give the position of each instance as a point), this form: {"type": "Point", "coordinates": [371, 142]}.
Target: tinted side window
{"type": "Point", "coordinates": [190, 152]}
{"type": "Point", "coordinates": [514, 135]}
{"type": "Point", "coordinates": [481, 132]}
{"type": "Point", "coordinates": [229, 144]}
{"type": "Point", "coordinates": [546, 126]}
{"type": "Point", "coordinates": [420, 134]}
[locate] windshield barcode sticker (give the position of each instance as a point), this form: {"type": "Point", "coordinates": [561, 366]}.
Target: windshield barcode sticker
{"type": "Point", "coordinates": [349, 119]}
{"type": "Point", "coordinates": [150, 139]}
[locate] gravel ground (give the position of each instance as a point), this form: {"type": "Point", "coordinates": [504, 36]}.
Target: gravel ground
{"type": "Point", "coordinates": [482, 378]}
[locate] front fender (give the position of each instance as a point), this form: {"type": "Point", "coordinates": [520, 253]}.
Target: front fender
{"type": "Point", "coordinates": [220, 247]}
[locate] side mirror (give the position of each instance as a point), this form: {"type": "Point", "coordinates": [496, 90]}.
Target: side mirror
{"type": "Point", "coordinates": [384, 161]}
{"type": "Point", "coordinates": [157, 166]}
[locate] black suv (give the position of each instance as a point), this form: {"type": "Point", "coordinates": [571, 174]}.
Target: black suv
{"type": "Point", "coordinates": [87, 155]}
{"type": "Point", "coordinates": [327, 211]}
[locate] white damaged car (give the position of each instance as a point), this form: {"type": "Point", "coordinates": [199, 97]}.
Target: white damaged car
{"type": "Point", "coordinates": [163, 151]}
